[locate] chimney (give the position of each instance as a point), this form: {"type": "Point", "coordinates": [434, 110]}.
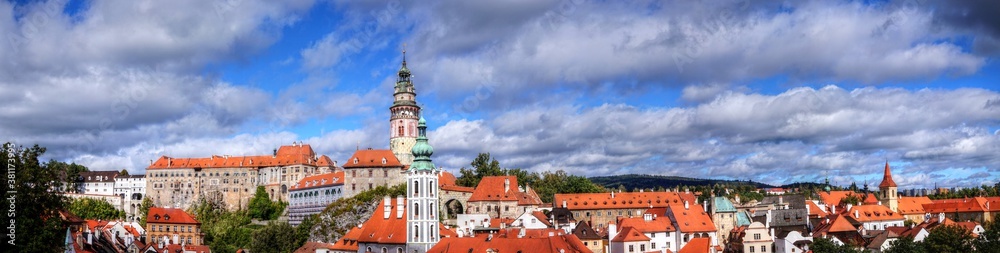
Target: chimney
{"type": "Point", "coordinates": [857, 214]}
{"type": "Point", "coordinates": [849, 206]}
{"type": "Point", "coordinates": [685, 205]}
{"type": "Point", "coordinates": [833, 209]}
{"type": "Point", "coordinates": [386, 207]}
{"type": "Point", "coordinates": [275, 154]}
{"type": "Point", "coordinates": [941, 217]}
{"type": "Point", "coordinates": [705, 206]}
{"type": "Point", "coordinates": [506, 184]}
{"type": "Point", "coordinates": [399, 207]}
{"type": "Point", "coordinates": [612, 194]}
{"type": "Point", "coordinates": [564, 204]}
{"type": "Point", "coordinates": [767, 219]}
{"type": "Point", "coordinates": [880, 202]}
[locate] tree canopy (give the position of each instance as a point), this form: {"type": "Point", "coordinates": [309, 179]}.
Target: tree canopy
{"type": "Point", "coordinates": [262, 208]}
{"type": "Point", "coordinates": [37, 199]}
{"type": "Point", "coordinates": [93, 209]}
{"type": "Point", "coordinates": [546, 184]}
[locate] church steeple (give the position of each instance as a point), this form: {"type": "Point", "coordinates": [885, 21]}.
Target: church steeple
{"type": "Point", "coordinates": [888, 189]}
{"type": "Point", "coordinates": [422, 196]}
{"type": "Point", "coordinates": [405, 112]}
{"type": "Point", "coordinates": [422, 151]}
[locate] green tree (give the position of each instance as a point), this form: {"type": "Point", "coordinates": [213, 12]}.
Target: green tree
{"type": "Point", "coordinates": [124, 172]}
{"type": "Point", "coordinates": [144, 209]}
{"type": "Point", "coordinates": [93, 209]}
{"type": "Point", "coordinates": [552, 183]}
{"type": "Point", "coordinates": [274, 238]}
{"type": "Point", "coordinates": [823, 245]}
{"type": "Point", "coordinates": [67, 173]}
{"type": "Point", "coordinates": [948, 239]}
{"type": "Point", "coordinates": [482, 166]}
{"type": "Point", "coordinates": [261, 207]}
{"type": "Point", "coordinates": [853, 199]}
{"type": "Point", "coordinates": [905, 245]}
{"type": "Point", "coordinates": [989, 240]}
{"type": "Point", "coordinates": [37, 199]}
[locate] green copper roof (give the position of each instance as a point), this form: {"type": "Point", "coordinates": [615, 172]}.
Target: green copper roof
{"type": "Point", "coordinates": [723, 205]}
{"type": "Point", "coordinates": [742, 219]}
{"type": "Point", "coordinates": [422, 151]}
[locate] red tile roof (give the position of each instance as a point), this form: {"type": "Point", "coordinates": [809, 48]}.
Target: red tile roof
{"type": "Point", "coordinates": [912, 205]}
{"type": "Point", "coordinates": [541, 217]}
{"type": "Point", "coordinates": [992, 204]}
{"type": "Point", "coordinates": [815, 210]}
{"type": "Point", "coordinates": [868, 213]}
{"type": "Point", "coordinates": [654, 225]}
{"type": "Point", "coordinates": [870, 200]}
{"type": "Point", "coordinates": [169, 215]}
{"type": "Point", "coordinates": [492, 188]}
{"type": "Point", "coordinates": [317, 181]}
{"type": "Point", "coordinates": [887, 177]}
{"type": "Point", "coordinates": [324, 161]}
{"type": "Point", "coordinates": [510, 242]}
{"type": "Point", "coordinates": [630, 234]}
{"type": "Point", "coordinates": [286, 155]}
{"type": "Point", "coordinates": [372, 158]}
{"type": "Point", "coordinates": [697, 245]}
{"type": "Point", "coordinates": [693, 219]}
{"type": "Point", "coordinates": [833, 197]}
{"type": "Point", "coordinates": [349, 242]}
{"type": "Point", "coordinates": [837, 223]}
{"type": "Point", "coordinates": [621, 200]}
{"type": "Point", "coordinates": [446, 181]}
{"type": "Point", "coordinates": [311, 247]}
{"type": "Point", "coordinates": [956, 205]}
{"type": "Point", "coordinates": [391, 230]}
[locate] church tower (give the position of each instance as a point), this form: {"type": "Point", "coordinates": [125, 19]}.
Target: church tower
{"type": "Point", "coordinates": [405, 112]}
{"type": "Point", "coordinates": [888, 190]}
{"type": "Point", "coordinates": [422, 195]}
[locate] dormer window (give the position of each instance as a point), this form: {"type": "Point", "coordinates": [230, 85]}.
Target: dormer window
{"type": "Point", "coordinates": [156, 217]}
{"type": "Point", "coordinates": [166, 217]}
{"type": "Point", "coordinates": [383, 160]}
{"type": "Point", "coordinates": [355, 160]}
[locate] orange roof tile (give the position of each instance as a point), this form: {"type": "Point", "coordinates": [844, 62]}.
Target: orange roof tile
{"type": "Point", "coordinates": [503, 188]}
{"type": "Point", "coordinates": [654, 225]}
{"type": "Point", "coordinates": [887, 177]}
{"type": "Point", "coordinates": [349, 242]}
{"type": "Point", "coordinates": [838, 223]}
{"type": "Point", "coordinates": [169, 215]}
{"type": "Point", "coordinates": [324, 161]}
{"type": "Point", "coordinates": [510, 242]}
{"type": "Point", "coordinates": [992, 204]}
{"type": "Point", "coordinates": [286, 155]}
{"type": "Point", "coordinates": [321, 180]}
{"type": "Point", "coordinates": [815, 210]}
{"type": "Point", "coordinates": [693, 219]}
{"type": "Point", "coordinates": [868, 213]}
{"type": "Point", "coordinates": [541, 217]}
{"type": "Point", "coordinates": [373, 158]}
{"type": "Point", "coordinates": [697, 245]}
{"type": "Point", "coordinates": [621, 200]}
{"type": "Point", "coordinates": [311, 247]}
{"type": "Point", "coordinates": [630, 234]}
{"type": "Point", "coordinates": [912, 205]}
{"type": "Point", "coordinates": [379, 229]}
{"type": "Point", "coordinates": [956, 205]}
{"type": "Point", "coordinates": [446, 178]}
{"type": "Point", "coordinates": [870, 199]}
{"type": "Point", "coordinates": [833, 197]}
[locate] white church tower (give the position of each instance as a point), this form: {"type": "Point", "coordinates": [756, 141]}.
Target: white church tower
{"type": "Point", "coordinates": [422, 195]}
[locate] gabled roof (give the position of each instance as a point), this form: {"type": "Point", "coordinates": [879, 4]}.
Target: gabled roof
{"type": "Point", "coordinates": [815, 210]}
{"type": "Point", "coordinates": [693, 219]}
{"type": "Point", "coordinates": [317, 181]}
{"type": "Point", "coordinates": [887, 177]}
{"type": "Point", "coordinates": [311, 247]}
{"type": "Point", "coordinates": [697, 245]}
{"type": "Point", "coordinates": [956, 205]}
{"type": "Point", "coordinates": [655, 225]}
{"type": "Point", "coordinates": [992, 204]}
{"type": "Point", "coordinates": [912, 205]}
{"type": "Point", "coordinates": [324, 161]}
{"type": "Point", "coordinates": [169, 215]}
{"type": "Point", "coordinates": [541, 218]}
{"type": "Point", "coordinates": [349, 242]}
{"type": "Point", "coordinates": [503, 188]}
{"type": "Point", "coordinates": [837, 223]}
{"type": "Point", "coordinates": [869, 213]}
{"type": "Point", "coordinates": [382, 229]}
{"type": "Point", "coordinates": [373, 158]}
{"type": "Point", "coordinates": [794, 201]}
{"type": "Point", "coordinates": [585, 232]}
{"type": "Point", "coordinates": [298, 154]}
{"type": "Point", "coordinates": [789, 217]}
{"type": "Point", "coordinates": [742, 219]}
{"type": "Point", "coordinates": [620, 200]}
{"type": "Point", "coordinates": [870, 200]}
{"type": "Point", "coordinates": [833, 197]}
{"type": "Point", "coordinates": [630, 234]}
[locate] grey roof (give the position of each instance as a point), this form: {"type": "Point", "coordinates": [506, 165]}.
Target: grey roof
{"type": "Point", "coordinates": [585, 232]}
{"type": "Point", "coordinates": [794, 201]}
{"type": "Point", "coordinates": [789, 217]}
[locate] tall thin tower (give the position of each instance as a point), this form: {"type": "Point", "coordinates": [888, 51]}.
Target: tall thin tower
{"type": "Point", "coordinates": [405, 113]}
{"type": "Point", "coordinates": [422, 193]}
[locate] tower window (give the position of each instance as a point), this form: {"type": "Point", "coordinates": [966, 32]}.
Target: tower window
{"type": "Point", "coordinates": [400, 131]}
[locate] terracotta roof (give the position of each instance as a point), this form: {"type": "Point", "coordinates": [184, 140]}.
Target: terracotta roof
{"type": "Point", "coordinates": [349, 242]}
{"type": "Point", "coordinates": [693, 219]}
{"type": "Point", "coordinates": [833, 197]}
{"type": "Point", "coordinates": [887, 177]}
{"type": "Point", "coordinates": [311, 247]}
{"type": "Point", "coordinates": [912, 205]}
{"type": "Point", "coordinates": [697, 245]}
{"type": "Point", "coordinates": [992, 204]}
{"type": "Point", "coordinates": [968, 226]}
{"type": "Point", "coordinates": [446, 178]}
{"type": "Point", "coordinates": [286, 155]}
{"type": "Point", "coordinates": [870, 200]}
{"type": "Point", "coordinates": [317, 181]}
{"type": "Point", "coordinates": [169, 215]}
{"type": "Point", "coordinates": [178, 248]}
{"type": "Point", "coordinates": [868, 213]}
{"type": "Point", "coordinates": [324, 161]}
{"type": "Point", "coordinates": [372, 158]}
{"type": "Point", "coordinates": [654, 225]}
{"type": "Point", "coordinates": [956, 205]}
{"type": "Point", "coordinates": [509, 242]}
{"type": "Point", "coordinates": [391, 230]}
{"type": "Point", "coordinates": [492, 188]}
{"type": "Point", "coordinates": [815, 210]}
{"type": "Point", "coordinates": [541, 217]}
{"type": "Point", "coordinates": [621, 200]}
{"type": "Point", "coordinates": [630, 234]}
{"type": "Point", "coordinates": [837, 224]}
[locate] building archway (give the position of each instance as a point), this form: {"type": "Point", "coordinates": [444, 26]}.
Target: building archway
{"type": "Point", "coordinates": [453, 208]}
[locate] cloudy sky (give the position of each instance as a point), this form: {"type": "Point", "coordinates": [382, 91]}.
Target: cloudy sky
{"type": "Point", "coordinates": [774, 91]}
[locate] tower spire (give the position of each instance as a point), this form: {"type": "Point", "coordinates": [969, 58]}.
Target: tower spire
{"type": "Point", "coordinates": [887, 177]}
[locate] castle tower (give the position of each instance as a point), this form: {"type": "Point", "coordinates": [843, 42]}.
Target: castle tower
{"type": "Point", "coordinates": [405, 112]}
{"type": "Point", "coordinates": [888, 190]}
{"type": "Point", "coordinates": [422, 195]}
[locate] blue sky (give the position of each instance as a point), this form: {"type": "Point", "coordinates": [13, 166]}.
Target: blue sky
{"type": "Point", "coordinates": [765, 90]}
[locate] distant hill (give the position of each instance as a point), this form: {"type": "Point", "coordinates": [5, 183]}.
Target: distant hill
{"type": "Point", "coordinates": [803, 185]}
{"type": "Point", "coordinates": [632, 181]}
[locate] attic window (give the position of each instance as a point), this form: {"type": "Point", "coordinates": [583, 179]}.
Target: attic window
{"type": "Point", "coordinates": [166, 217]}
{"type": "Point", "coordinates": [355, 160]}
{"type": "Point", "coordinates": [383, 160]}
{"type": "Point", "coordinates": [156, 217]}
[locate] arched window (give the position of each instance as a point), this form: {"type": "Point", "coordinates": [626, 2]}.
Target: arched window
{"type": "Point", "coordinates": [431, 187]}
{"type": "Point", "coordinates": [416, 210]}
{"type": "Point", "coordinates": [416, 231]}
{"type": "Point", "coordinates": [400, 131]}
{"type": "Point", "coordinates": [416, 188]}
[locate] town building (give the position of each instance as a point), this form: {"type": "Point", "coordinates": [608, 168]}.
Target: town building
{"type": "Point", "coordinates": [166, 226]}
{"type": "Point", "coordinates": [658, 233]}
{"type": "Point", "coordinates": [758, 239]}
{"type": "Point", "coordinates": [453, 198]}
{"type": "Point", "coordinates": [604, 208]}
{"type": "Point", "coordinates": [514, 240]}
{"type": "Point", "coordinates": [724, 216]}
{"type": "Point", "coordinates": [590, 237]}
{"type": "Point", "coordinates": [312, 194]}
{"type": "Point", "coordinates": [692, 221]}
{"type": "Point", "coordinates": [131, 189]}
{"type": "Point", "coordinates": [888, 190]}
{"type": "Point", "coordinates": [371, 168]}
{"type": "Point", "coordinates": [231, 180]}
{"type": "Point", "coordinates": [96, 182]}
{"type": "Point", "coordinates": [500, 197]}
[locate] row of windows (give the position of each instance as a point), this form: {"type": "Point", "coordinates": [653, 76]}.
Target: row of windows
{"type": "Point", "coordinates": [763, 248]}
{"type": "Point", "coordinates": [168, 228]}
{"type": "Point", "coordinates": [197, 174]}
{"type": "Point", "coordinates": [187, 239]}
{"type": "Point", "coordinates": [371, 172]}
{"type": "Point", "coordinates": [316, 193]}
{"type": "Point", "coordinates": [598, 213]}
